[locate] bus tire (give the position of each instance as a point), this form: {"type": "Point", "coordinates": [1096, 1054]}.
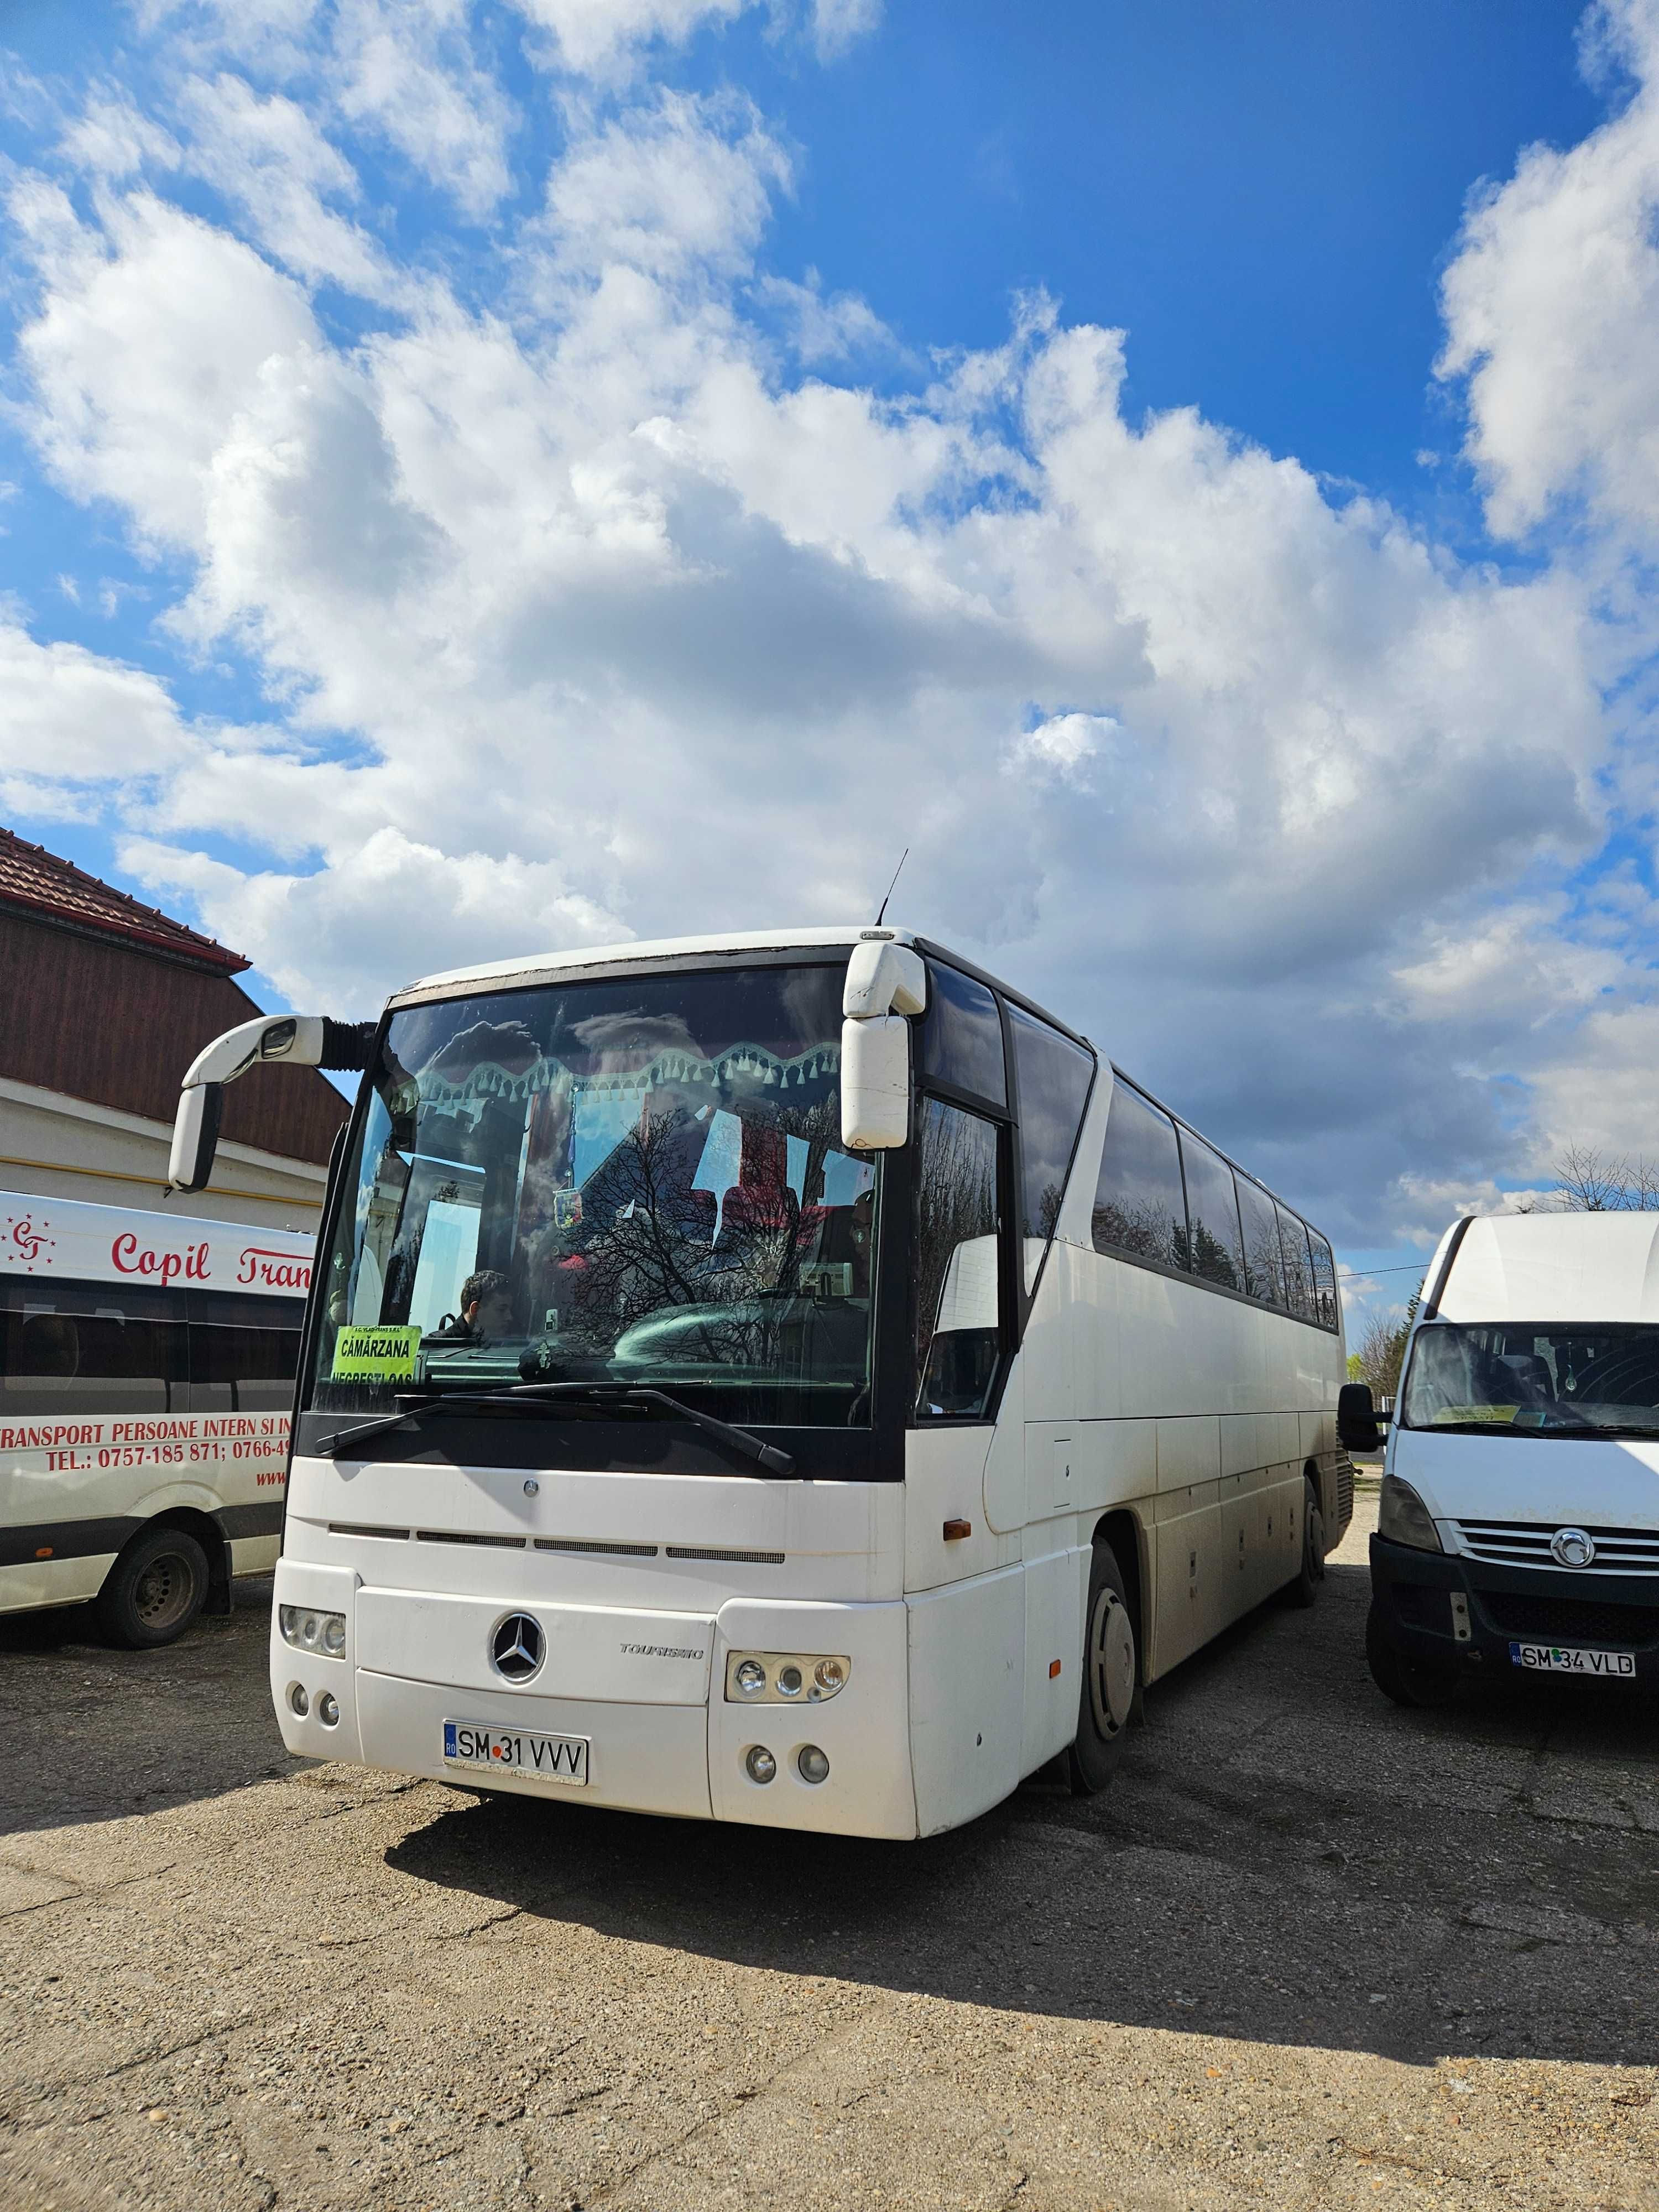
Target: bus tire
{"type": "Point", "coordinates": [1412, 1682]}
{"type": "Point", "coordinates": [154, 1591]}
{"type": "Point", "coordinates": [1110, 1697]}
{"type": "Point", "coordinates": [1303, 1588]}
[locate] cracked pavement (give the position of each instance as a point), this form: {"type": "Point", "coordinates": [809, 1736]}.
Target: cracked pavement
{"type": "Point", "coordinates": [1309, 1951]}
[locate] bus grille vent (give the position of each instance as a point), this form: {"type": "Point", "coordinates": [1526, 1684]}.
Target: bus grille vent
{"type": "Point", "coordinates": [455, 1536]}
{"type": "Point", "coordinates": [578, 1544]}
{"type": "Point", "coordinates": [741, 1558]}
{"type": "Point", "coordinates": [351, 1529]}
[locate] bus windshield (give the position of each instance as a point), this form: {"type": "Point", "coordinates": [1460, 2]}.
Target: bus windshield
{"type": "Point", "coordinates": [1555, 1378]}
{"type": "Point", "coordinates": [638, 1181]}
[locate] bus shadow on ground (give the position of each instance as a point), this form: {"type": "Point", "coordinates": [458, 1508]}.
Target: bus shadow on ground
{"type": "Point", "coordinates": [1283, 1859]}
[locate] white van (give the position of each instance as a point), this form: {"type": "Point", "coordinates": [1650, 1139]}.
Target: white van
{"type": "Point", "coordinates": [147, 1365]}
{"type": "Point", "coordinates": [1519, 1520]}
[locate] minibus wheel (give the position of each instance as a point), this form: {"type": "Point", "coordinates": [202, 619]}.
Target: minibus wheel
{"type": "Point", "coordinates": [1304, 1586]}
{"type": "Point", "coordinates": [154, 1591]}
{"type": "Point", "coordinates": [1408, 1680]}
{"type": "Point", "coordinates": [1110, 1697]}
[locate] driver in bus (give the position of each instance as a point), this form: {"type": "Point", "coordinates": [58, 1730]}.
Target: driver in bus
{"type": "Point", "coordinates": [487, 1304]}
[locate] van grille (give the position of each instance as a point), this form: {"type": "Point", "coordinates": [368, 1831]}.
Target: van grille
{"type": "Point", "coordinates": [1568, 1619]}
{"type": "Point", "coordinates": [1526, 1543]}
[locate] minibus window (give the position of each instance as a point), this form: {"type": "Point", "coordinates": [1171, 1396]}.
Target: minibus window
{"type": "Point", "coordinates": [1534, 1378]}
{"type": "Point", "coordinates": [78, 1347]}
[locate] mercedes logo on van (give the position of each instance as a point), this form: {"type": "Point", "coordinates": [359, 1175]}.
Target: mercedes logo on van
{"type": "Point", "coordinates": [1571, 1548]}
{"type": "Point", "coordinates": [516, 1647]}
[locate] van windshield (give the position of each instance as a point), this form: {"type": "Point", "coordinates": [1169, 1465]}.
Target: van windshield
{"type": "Point", "coordinates": [1550, 1378]}
{"type": "Point", "coordinates": [637, 1181]}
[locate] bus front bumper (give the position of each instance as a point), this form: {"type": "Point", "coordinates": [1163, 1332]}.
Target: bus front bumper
{"type": "Point", "coordinates": [1436, 1605]}
{"type": "Point", "coordinates": [410, 1662]}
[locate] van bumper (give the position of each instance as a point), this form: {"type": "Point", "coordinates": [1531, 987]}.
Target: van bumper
{"type": "Point", "coordinates": [1413, 1592]}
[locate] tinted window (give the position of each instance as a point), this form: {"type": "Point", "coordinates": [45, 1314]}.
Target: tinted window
{"type": "Point", "coordinates": [1216, 1250]}
{"type": "Point", "coordinates": [1299, 1273]}
{"type": "Point", "coordinates": [85, 1348]}
{"type": "Point", "coordinates": [1055, 1076]}
{"type": "Point", "coordinates": [958, 1340]}
{"type": "Point", "coordinates": [242, 1368]}
{"type": "Point", "coordinates": [1324, 1276]}
{"type": "Point", "coordinates": [1264, 1263]}
{"type": "Point", "coordinates": [1139, 1204]}
{"type": "Point", "coordinates": [961, 1034]}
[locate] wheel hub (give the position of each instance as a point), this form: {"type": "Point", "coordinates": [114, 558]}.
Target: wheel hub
{"type": "Point", "coordinates": [1111, 1664]}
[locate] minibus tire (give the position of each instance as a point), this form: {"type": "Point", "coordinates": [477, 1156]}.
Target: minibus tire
{"type": "Point", "coordinates": [1106, 1702]}
{"type": "Point", "coordinates": [1415, 1683]}
{"type": "Point", "coordinates": [154, 1591]}
{"type": "Point", "coordinates": [1303, 1588]}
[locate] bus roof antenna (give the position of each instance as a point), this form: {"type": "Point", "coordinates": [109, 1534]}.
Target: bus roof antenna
{"type": "Point", "coordinates": [903, 857]}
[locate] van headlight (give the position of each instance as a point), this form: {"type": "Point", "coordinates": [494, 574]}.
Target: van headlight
{"type": "Point", "coordinates": [1403, 1518]}
{"type": "Point", "coordinates": [308, 1630]}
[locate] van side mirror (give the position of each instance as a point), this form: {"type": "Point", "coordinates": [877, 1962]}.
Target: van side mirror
{"type": "Point", "coordinates": [1358, 1421]}
{"type": "Point", "coordinates": [885, 982]}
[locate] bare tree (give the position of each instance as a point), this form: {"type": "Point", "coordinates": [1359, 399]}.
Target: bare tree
{"type": "Point", "coordinates": [1589, 1180]}
{"type": "Point", "coordinates": [1381, 1347]}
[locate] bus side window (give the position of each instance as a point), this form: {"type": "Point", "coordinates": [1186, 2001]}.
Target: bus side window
{"type": "Point", "coordinates": [1298, 1271]}
{"type": "Point", "coordinates": [961, 1042]}
{"type": "Point", "coordinates": [1054, 1077]}
{"type": "Point", "coordinates": [243, 1354]}
{"type": "Point", "coordinates": [1263, 1259]}
{"type": "Point", "coordinates": [87, 1348]}
{"type": "Point", "coordinates": [1140, 1206]}
{"type": "Point", "coordinates": [958, 1336]}
{"type": "Point", "coordinates": [1324, 1276]}
{"type": "Point", "coordinates": [1216, 1249]}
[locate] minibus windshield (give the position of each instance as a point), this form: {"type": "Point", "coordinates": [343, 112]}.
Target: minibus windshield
{"type": "Point", "coordinates": [1537, 1379]}
{"type": "Point", "coordinates": [637, 1182]}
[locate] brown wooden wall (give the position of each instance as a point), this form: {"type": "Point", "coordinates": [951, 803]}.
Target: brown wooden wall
{"type": "Point", "coordinates": [119, 1026]}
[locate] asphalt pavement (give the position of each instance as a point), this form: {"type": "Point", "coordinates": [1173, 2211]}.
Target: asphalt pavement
{"type": "Point", "coordinates": [1308, 1950]}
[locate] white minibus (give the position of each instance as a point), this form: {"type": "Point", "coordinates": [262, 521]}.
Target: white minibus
{"type": "Point", "coordinates": [1518, 1525]}
{"type": "Point", "coordinates": [147, 1365]}
{"type": "Point", "coordinates": [787, 1378]}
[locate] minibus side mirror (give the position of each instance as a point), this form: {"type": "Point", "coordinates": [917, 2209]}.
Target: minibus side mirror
{"type": "Point", "coordinates": [302, 1040]}
{"type": "Point", "coordinates": [885, 982]}
{"type": "Point", "coordinates": [1359, 1424]}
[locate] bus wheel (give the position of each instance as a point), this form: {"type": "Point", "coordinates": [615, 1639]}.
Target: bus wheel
{"type": "Point", "coordinates": [154, 1591]}
{"type": "Point", "coordinates": [1111, 1676]}
{"type": "Point", "coordinates": [1304, 1586]}
{"type": "Point", "coordinates": [1409, 1682]}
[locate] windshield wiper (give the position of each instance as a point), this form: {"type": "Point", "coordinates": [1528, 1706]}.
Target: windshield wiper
{"type": "Point", "coordinates": [525, 1395]}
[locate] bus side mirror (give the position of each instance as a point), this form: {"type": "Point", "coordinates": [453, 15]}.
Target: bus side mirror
{"type": "Point", "coordinates": [885, 982]}
{"type": "Point", "coordinates": [195, 1136]}
{"type": "Point", "coordinates": [1358, 1421]}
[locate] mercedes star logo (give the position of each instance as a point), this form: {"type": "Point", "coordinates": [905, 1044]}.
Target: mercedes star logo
{"type": "Point", "coordinates": [517, 1648]}
{"type": "Point", "coordinates": [1571, 1548]}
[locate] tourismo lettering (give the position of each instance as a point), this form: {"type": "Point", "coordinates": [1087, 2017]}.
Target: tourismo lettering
{"type": "Point", "coordinates": [277, 1271]}
{"type": "Point", "coordinates": [131, 1258]}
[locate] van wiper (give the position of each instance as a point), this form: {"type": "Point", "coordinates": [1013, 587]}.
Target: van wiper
{"type": "Point", "coordinates": [525, 1396]}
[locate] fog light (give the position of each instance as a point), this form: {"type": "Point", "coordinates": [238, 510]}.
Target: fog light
{"type": "Point", "coordinates": [812, 1765]}
{"type": "Point", "coordinates": [750, 1678]}
{"type": "Point", "coordinates": [328, 1712]}
{"type": "Point", "coordinates": [297, 1699]}
{"type": "Point", "coordinates": [829, 1675]}
{"type": "Point", "coordinates": [789, 1681]}
{"type": "Point", "coordinates": [760, 1764]}
{"type": "Point", "coordinates": [334, 1632]}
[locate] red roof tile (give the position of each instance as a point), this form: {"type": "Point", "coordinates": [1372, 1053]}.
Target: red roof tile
{"type": "Point", "coordinates": [36, 882]}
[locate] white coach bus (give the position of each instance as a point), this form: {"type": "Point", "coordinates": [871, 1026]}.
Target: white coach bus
{"type": "Point", "coordinates": [782, 1378]}
{"type": "Point", "coordinates": [147, 1365]}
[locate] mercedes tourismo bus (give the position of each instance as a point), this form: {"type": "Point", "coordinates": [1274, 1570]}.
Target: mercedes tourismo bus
{"type": "Point", "coordinates": [147, 1365]}
{"type": "Point", "coordinates": [786, 1378]}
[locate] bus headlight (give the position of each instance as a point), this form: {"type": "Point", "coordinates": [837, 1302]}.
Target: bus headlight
{"type": "Point", "coordinates": [1403, 1518]}
{"type": "Point", "coordinates": [784, 1678]}
{"type": "Point", "coordinates": [308, 1630]}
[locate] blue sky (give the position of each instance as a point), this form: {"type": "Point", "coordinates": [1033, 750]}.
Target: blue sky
{"type": "Point", "coordinates": [454, 449]}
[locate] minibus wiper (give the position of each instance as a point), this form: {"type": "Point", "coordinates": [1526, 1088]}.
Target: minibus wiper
{"type": "Point", "coordinates": [527, 1394]}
